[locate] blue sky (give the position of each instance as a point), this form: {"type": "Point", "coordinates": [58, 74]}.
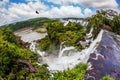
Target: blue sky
{"type": "Point", "coordinates": [17, 10]}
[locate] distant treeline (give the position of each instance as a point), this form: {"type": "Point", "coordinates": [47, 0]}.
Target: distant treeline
{"type": "Point", "coordinates": [34, 23]}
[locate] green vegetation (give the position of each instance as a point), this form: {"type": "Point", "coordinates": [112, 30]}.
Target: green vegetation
{"type": "Point", "coordinates": [58, 33]}
{"type": "Point", "coordinates": [34, 23]}
{"type": "Point", "coordinates": [10, 69]}
{"type": "Point", "coordinates": [107, 78]}
{"type": "Point", "coordinates": [46, 45]}
{"type": "Point", "coordinates": [11, 48]}
{"type": "Point", "coordinates": [107, 19]}
{"type": "Point", "coordinates": [76, 73]}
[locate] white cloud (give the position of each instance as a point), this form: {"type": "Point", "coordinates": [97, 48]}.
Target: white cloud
{"type": "Point", "coordinates": [88, 12]}
{"type": "Point", "coordinates": [66, 11]}
{"type": "Point", "coordinates": [87, 3]}
{"type": "Point", "coordinates": [100, 3]}
{"type": "Point", "coordinates": [22, 11]}
{"type": "Point", "coordinates": [3, 2]}
{"type": "Point", "coordinates": [31, 0]}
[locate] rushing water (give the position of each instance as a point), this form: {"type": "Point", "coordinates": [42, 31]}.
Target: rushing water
{"type": "Point", "coordinates": [90, 33]}
{"type": "Point", "coordinates": [64, 62]}
{"type": "Point", "coordinates": [60, 62]}
{"type": "Point", "coordinates": [64, 49]}
{"type": "Point", "coordinates": [105, 59]}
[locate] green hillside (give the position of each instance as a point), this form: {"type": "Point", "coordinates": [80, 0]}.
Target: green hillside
{"type": "Point", "coordinates": [34, 23]}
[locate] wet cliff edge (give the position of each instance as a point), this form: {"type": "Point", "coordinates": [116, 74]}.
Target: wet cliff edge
{"type": "Point", "coordinates": [106, 58]}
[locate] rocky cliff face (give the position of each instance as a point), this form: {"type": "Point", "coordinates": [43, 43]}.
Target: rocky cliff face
{"type": "Point", "coordinates": [106, 58]}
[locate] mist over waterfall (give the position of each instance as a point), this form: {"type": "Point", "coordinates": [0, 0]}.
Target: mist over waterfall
{"type": "Point", "coordinates": [69, 60]}
{"type": "Point", "coordinates": [65, 40]}
{"type": "Point", "coordinates": [63, 50]}
{"type": "Point", "coordinates": [90, 33]}
{"type": "Point", "coordinates": [33, 48]}
{"type": "Point", "coordinates": [68, 57]}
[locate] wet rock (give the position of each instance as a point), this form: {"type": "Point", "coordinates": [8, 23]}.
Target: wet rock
{"type": "Point", "coordinates": [109, 64]}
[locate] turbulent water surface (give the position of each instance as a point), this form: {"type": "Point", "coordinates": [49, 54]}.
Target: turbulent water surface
{"type": "Point", "coordinates": [103, 54]}
{"type": "Point", "coordinates": [67, 56]}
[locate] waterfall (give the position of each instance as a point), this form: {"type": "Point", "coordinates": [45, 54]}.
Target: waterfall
{"type": "Point", "coordinates": [40, 53]}
{"type": "Point", "coordinates": [61, 45]}
{"type": "Point", "coordinates": [66, 22]}
{"type": "Point", "coordinates": [33, 46]}
{"type": "Point", "coordinates": [64, 49]}
{"type": "Point", "coordinates": [90, 33]}
{"type": "Point", "coordinates": [35, 49]}
{"type": "Point", "coordinates": [60, 62]}
{"type": "Point", "coordinates": [93, 46]}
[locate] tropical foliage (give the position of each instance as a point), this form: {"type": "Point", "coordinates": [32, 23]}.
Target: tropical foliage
{"type": "Point", "coordinates": [34, 23]}
{"type": "Point", "coordinates": [11, 47]}
{"type": "Point", "coordinates": [107, 19]}
{"type": "Point", "coordinates": [76, 73]}
{"type": "Point", "coordinates": [10, 69]}
{"type": "Point", "coordinates": [58, 33]}
{"type": "Point", "coordinates": [107, 78]}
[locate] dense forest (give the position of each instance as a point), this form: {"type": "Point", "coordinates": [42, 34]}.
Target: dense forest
{"type": "Point", "coordinates": [72, 33]}
{"type": "Point", "coordinates": [34, 23]}
{"type": "Point", "coordinates": [11, 52]}
{"type": "Point", "coordinates": [58, 33]}
{"type": "Point", "coordinates": [105, 19]}
{"type": "Point", "coordinates": [11, 69]}
{"type": "Point", "coordinates": [14, 57]}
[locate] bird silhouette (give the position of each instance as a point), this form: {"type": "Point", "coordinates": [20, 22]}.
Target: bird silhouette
{"type": "Point", "coordinates": [37, 12]}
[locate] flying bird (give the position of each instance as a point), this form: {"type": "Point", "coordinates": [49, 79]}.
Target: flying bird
{"type": "Point", "coordinates": [37, 12]}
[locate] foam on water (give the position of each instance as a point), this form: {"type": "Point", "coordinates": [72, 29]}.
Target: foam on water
{"type": "Point", "coordinates": [65, 62]}
{"type": "Point", "coordinates": [60, 62]}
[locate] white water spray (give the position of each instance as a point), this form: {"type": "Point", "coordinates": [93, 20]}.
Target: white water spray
{"type": "Point", "coordinates": [34, 49]}
{"type": "Point", "coordinates": [65, 49]}
{"type": "Point", "coordinates": [93, 46]}
{"type": "Point", "coordinates": [60, 62]}
{"type": "Point", "coordinates": [90, 33]}
{"type": "Point", "coordinates": [64, 62]}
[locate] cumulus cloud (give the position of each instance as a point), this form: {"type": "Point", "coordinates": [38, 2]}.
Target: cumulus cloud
{"type": "Point", "coordinates": [3, 2]}
{"type": "Point", "coordinates": [100, 3]}
{"type": "Point", "coordinates": [66, 11]}
{"type": "Point", "coordinates": [87, 3]}
{"type": "Point", "coordinates": [21, 11]}
{"type": "Point", "coordinates": [26, 10]}
{"type": "Point", "coordinates": [88, 12]}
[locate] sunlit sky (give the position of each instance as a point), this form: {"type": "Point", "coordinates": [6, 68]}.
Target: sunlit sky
{"type": "Point", "coordinates": [17, 10]}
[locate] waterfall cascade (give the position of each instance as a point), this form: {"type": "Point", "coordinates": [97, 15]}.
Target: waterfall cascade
{"type": "Point", "coordinates": [64, 49]}
{"type": "Point", "coordinates": [93, 46]}
{"type": "Point", "coordinates": [60, 62]}
{"type": "Point", "coordinates": [35, 49]}
{"type": "Point", "coordinates": [90, 33]}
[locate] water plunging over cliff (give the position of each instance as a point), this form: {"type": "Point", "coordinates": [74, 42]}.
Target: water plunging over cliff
{"type": "Point", "coordinates": [63, 50]}
{"type": "Point", "coordinates": [90, 33]}
{"type": "Point", "coordinates": [67, 57]}
{"type": "Point", "coordinates": [105, 59]}
{"type": "Point", "coordinates": [64, 62]}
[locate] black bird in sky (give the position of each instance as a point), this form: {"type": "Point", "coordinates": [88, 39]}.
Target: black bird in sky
{"type": "Point", "coordinates": [37, 12]}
